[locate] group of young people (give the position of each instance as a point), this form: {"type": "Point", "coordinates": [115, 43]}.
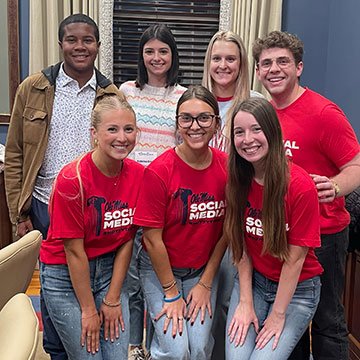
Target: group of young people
{"type": "Point", "coordinates": [194, 189]}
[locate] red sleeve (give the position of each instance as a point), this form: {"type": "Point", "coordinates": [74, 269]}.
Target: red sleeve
{"type": "Point", "coordinates": [338, 139]}
{"type": "Point", "coordinates": [152, 201]}
{"type": "Point", "coordinates": [303, 216]}
{"type": "Point", "coordinates": [66, 213]}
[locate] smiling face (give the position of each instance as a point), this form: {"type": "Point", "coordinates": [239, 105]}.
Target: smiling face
{"type": "Point", "coordinates": [250, 141]}
{"type": "Point", "coordinates": [224, 67]}
{"type": "Point", "coordinates": [79, 48]}
{"type": "Point", "coordinates": [197, 138]}
{"type": "Point", "coordinates": [280, 78]}
{"type": "Point", "coordinates": [157, 60]}
{"type": "Point", "coordinates": [115, 135]}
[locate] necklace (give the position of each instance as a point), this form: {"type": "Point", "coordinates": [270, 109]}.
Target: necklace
{"type": "Point", "coordinates": [117, 177]}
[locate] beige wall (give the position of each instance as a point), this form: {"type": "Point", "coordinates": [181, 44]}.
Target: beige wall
{"type": "Point", "coordinates": [4, 65]}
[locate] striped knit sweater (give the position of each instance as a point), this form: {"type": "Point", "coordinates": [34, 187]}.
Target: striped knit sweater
{"type": "Point", "coordinates": [155, 109]}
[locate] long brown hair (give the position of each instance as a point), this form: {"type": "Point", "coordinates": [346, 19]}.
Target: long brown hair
{"type": "Point", "coordinates": [240, 176]}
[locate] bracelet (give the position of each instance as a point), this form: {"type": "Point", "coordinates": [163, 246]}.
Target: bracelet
{"type": "Point", "coordinates": [169, 287]}
{"type": "Point", "coordinates": [111, 304]}
{"type": "Point", "coordinates": [207, 287]}
{"type": "Point", "coordinates": [168, 284]}
{"type": "Point", "coordinates": [173, 299]}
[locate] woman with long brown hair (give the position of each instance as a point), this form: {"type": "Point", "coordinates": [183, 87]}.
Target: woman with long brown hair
{"type": "Point", "coordinates": [272, 226]}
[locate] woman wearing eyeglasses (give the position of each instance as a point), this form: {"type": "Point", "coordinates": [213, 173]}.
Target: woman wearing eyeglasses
{"type": "Point", "coordinates": [181, 207]}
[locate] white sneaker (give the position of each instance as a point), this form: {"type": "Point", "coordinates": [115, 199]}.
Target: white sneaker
{"type": "Point", "coordinates": [137, 354]}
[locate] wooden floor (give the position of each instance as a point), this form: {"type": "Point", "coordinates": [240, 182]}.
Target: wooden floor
{"type": "Point", "coordinates": [34, 287]}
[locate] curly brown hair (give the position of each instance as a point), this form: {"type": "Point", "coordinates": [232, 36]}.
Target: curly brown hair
{"type": "Point", "coordinates": [279, 39]}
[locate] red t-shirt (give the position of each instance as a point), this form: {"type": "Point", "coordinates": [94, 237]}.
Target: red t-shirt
{"type": "Point", "coordinates": [188, 204]}
{"type": "Point", "coordinates": [319, 138]}
{"type": "Point", "coordinates": [104, 219]}
{"type": "Point", "coordinates": [302, 219]}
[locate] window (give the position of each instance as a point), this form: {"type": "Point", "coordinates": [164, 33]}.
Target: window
{"type": "Point", "coordinates": [192, 23]}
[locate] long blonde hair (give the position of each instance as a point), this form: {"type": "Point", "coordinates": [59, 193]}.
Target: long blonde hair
{"type": "Point", "coordinates": [242, 87]}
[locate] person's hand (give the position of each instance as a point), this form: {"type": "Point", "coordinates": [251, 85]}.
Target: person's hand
{"type": "Point", "coordinates": [325, 188]}
{"type": "Point", "coordinates": [90, 330]}
{"type": "Point", "coordinates": [243, 316]}
{"type": "Point", "coordinates": [272, 326]}
{"type": "Point", "coordinates": [24, 227]}
{"type": "Point", "coordinates": [175, 312]}
{"type": "Point", "coordinates": [111, 316]}
{"type": "Point", "coordinates": [198, 300]}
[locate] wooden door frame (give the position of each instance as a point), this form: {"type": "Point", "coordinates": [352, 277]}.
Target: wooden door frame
{"type": "Point", "coordinates": [13, 54]}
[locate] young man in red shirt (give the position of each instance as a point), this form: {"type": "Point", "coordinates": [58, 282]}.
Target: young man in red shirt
{"type": "Point", "coordinates": [319, 138]}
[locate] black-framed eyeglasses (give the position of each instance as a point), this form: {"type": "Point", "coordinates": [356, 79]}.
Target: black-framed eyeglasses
{"type": "Point", "coordinates": [185, 121]}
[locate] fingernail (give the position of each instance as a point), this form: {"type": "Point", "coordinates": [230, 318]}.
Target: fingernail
{"type": "Point", "coordinates": [192, 324]}
{"type": "Point", "coordinates": [202, 322]}
{"type": "Point", "coordinates": [210, 316]}
{"type": "Point", "coordinates": [180, 333]}
{"type": "Point", "coordinates": [174, 336]}
{"type": "Point", "coordinates": [164, 332]}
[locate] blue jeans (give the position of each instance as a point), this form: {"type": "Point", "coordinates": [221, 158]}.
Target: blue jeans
{"type": "Point", "coordinates": [136, 297]}
{"type": "Point", "coordinates": [65, 312]}
{"type": "Point", "coordinates": [227, 273]}
{"type": "Point", "coordinates": [196, 342]}
{"type": "Point", "coordinates": [39, 215]}
{"type": "Point", "coordinates": [329, 332]}
{"type": "Point", "coordinates": [136, 300]}
{"type": "Point", "coordinates": [299, 313]}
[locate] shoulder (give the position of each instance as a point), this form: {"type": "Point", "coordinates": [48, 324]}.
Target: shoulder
{"type": "Point", "coordinates": [317, 102]}
{"type": "Point", "coordinates": [166, 158]}
{"type": "Point", "coordinates": [37, 80]}
{"type": "Point", "coordinates": [220, 156]}
{"type": "Point", "coordinates": [129, 89]}
{"type": "Point", "coordinates": [164, 164]}
{"type": "Point", "coordinates": [127, 86]}
{"type": "Point", "coordinates": [134, 167]}
{"type": "Point", "coordinates": [110, 89]}
{"type": "Point", "coordinates": [178, 89]}
{"type": "Point", "coordinates": [300, 181]}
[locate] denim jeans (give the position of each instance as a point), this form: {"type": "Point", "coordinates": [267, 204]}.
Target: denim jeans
{"type": "Point", "coordinates": [196, 342]}
{"type": "Point", "coordinates": [227, 273]}
{"type": "Point", "coordinates": [299, 313]}
{"type": "Point", "coordinates": [39, 215]}
{"type": "Point", "coordinates": [65, 312]}
{"type": "Point", "coordinates": [136, 297]}
{"type": "Point", "coordinates": [329, 332]}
